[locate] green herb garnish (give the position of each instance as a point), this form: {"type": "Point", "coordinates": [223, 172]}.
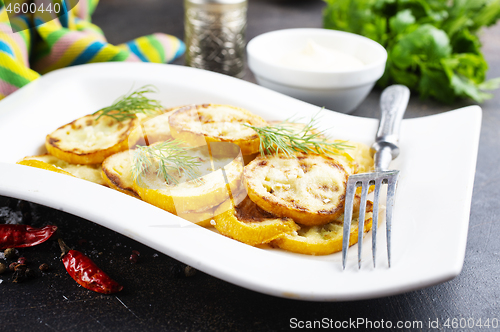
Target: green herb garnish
{"type": "Point", "coordinates": [288, 140]}
{"type": "Point", "coordinates": [168, 157]}
{"type": "Point", "coordinates": [130, 104]}
{"type": "Point", "coordinates": [433, 46]}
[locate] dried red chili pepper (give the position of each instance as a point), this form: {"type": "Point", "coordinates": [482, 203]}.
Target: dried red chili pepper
{"type": "Point", "coordinates": [86, 273]}
{"type": "Point", "coordinates": [21, 236]}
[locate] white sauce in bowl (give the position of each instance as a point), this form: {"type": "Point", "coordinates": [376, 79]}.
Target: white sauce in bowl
{"type": "Point", "coordinates": [316, 57]}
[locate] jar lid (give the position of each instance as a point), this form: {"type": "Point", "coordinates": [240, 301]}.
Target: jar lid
{"type": "Point", "coordinates": [221, 2]}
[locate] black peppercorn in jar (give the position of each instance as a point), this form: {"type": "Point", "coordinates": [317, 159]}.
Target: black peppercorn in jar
{"type": "Point", "coordinates": [215, 35]}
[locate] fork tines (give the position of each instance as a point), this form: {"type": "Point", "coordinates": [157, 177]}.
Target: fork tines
{"type": "Point", "coordinates": [365, 181]}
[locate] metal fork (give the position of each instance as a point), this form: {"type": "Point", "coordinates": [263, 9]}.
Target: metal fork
{"type": "Point", "coordinates": [393, 104]}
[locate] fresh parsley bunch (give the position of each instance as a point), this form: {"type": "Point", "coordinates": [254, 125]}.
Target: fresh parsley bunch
{"type": "Point", "coordinates": [432, 45]}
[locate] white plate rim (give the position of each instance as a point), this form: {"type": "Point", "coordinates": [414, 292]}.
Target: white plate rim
{"type": "Point", "coordinates": [268, 271]}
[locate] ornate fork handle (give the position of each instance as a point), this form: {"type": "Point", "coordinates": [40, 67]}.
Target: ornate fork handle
{"type": "Point", "coordinates": [393, 104]}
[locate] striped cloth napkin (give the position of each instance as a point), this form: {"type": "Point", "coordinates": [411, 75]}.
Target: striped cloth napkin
{"type": "Point", "coordinates": [44, 44]}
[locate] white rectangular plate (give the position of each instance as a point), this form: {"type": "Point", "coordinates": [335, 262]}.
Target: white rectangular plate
{"type": "Point", "coordinates": [437, 163]}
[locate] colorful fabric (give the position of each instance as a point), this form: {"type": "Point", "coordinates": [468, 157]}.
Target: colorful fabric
{"type": "Point", "coordinates": [45, 43]}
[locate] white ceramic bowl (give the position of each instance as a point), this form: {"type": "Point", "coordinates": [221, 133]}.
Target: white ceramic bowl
{"type": "Point", "coordinates": [340, 91]}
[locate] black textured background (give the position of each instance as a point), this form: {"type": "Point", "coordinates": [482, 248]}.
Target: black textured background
{"type": "Point", "coordinates": [155, 298]}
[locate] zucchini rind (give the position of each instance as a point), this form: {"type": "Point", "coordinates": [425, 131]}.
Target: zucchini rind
{"type": "Point", "coordinates": [308, 188]}
{"type": "Point", "coordinates": [152, 129]}
{"type": "Point", "coordinates": [89, 140]}
{"type": "Point", "coordinates": [324, 239]}
{"type": "Point", "coordinates": [90, 173]}
{"type": "Point", "coordinates": [199, 124]}
{"type": "Point", "coordinates": [248, 223]}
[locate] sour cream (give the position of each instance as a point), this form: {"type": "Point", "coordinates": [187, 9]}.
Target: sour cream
{"type": "Point", "coordinates": [317, 57]}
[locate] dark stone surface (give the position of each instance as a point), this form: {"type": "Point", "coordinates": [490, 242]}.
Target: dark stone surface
{"type": "Point", "coordinates": [155, 298]}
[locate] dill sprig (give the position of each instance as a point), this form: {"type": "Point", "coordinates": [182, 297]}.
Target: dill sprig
{"type": "Point", "coordinates": [288, 140]}
{"type": "Point", "coordinates": [126, 106]}
{"type": "Point", "coordinates": [168, 157]}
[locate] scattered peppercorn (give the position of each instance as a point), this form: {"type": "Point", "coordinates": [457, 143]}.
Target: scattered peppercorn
{"type": "Point", "coordinates": [177, 270]}
{"type": "Point", "coordinates": [189, 271]}
{"type": "Point", "coordinates": [182, 271]}
{"type": "Point", "coordinates": [44, 267]}
{"type": "Point", "coordinates": [25, 209]}
{"type": "Point", "coordinates": [19, 273]}
{"type": "Point", "coordinates": [23, 206]}
{"type": "Point", "coordinates": [12, 203]}
{"type": "Point", "coordinates": [19, 276]}
{"type": "Point", "coordinates": [134, 258]}
{"type": "Point", "coordinates": [10, 253]}
{"type": "Point", "coordinates": [3, 268]}
{"type": "Point", "coordinates": [13, 265]}
{"type": "Point", "coordinates": [29, 273]}
{"type": "Point", "coordinates": [21, 260]}
{"type": "Point", "coordinates": [20, 267]}
{"type": "Point", "coordinates": [136, 252]}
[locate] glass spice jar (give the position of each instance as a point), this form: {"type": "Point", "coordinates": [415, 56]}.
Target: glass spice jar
{"type": "Point", "coordinates": [215, 35]}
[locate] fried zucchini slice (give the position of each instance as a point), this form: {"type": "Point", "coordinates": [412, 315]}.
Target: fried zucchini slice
{"type": "Point", "coordinates": [199, 124]}
{"type": "Point", "coordinates": [152, 129]}
{"type": "Point", "coordinates": [43, 165]}
{"type": "Point", "coordinates": [306, 187]}
{"type": "Point", "coordinates": [117, 173]}
{"type": "Point", "coordinates": [89, 140]}
{"type": "Point", "coordinates": [90, 173]}
{"type": "Point", "coordinates": [205, 218]}
{"type": "Point", "coordinates": [324, 239]}
{"type": "Point", "coordinates": [199, 217]}
{"type": "Point", "coordinates": [209, 190]}
{"type": "Point", "coordinates": [248, 223]}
